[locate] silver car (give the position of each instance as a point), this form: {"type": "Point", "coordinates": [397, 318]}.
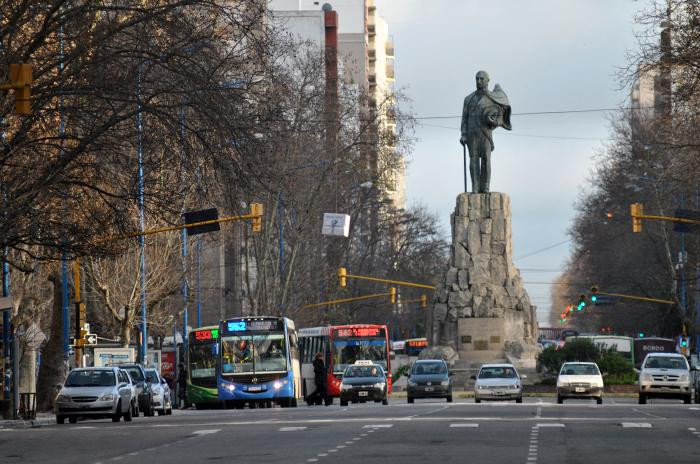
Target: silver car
{"type": "Point", "coordinates": [94, 392]}
{"type": "Point", "coordinates": [498, 382]}
{"type": "Point", "coordinates": [161, 392]}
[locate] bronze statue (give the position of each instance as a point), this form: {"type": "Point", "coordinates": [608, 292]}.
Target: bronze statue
{"type": "Point", "coordinates": [483, 111]}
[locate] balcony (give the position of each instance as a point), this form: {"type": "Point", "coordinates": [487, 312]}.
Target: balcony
{"type": "Point", "coordinates": [390, 49]}
{"type": "Point", "coordinates": [372, 54]}
{"type": "Point", "coordinates": [390, 72]}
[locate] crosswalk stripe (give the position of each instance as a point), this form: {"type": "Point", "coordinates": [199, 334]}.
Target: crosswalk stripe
{"type": "Point", "coordinates": [464, 425]}
{"type": "Point", "coordinates": [640, 425]}
{"type": "Point", "coordinates": [291, 429]}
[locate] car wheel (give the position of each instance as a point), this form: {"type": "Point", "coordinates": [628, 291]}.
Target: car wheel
{"type": "Point", "coordinates": [409, 399]}
{"type": "Point", "coordinates": [688, 399]}
{"type": "Point", "coordinates": [73, 419]}
{"type": "Point", "coordinates": [343, 402]}
{"type": "Point", "coordinates": [642, 399]}
{"type": "Point", "coordinates": [117, 415]}
{"type": "Point", "coordinates": [560, 400]}
{"type": "Point", "coordinates": [161, 412]}
{"type": "Point", "coordinates": [385, 401]}
{"type": "Point", "coordinates": [449, 398]}
{"type": "Point", "coordinates": [127, 415]}
{"type": "Point", "coordinates": [519, 399]}
{"type": "Point", "coordinates": [599, 400]}
{"type": "Point", "coordinates": [477, 400]}
{"type": "Point", "coordinates": [60, 419]}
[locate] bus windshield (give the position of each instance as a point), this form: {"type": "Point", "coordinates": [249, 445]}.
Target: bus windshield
{"type": "Point", "coordinates": [346, 352]}
{"type": "Point", "coordinates": [247, 353]}
{"type": "Point", "coordinates": [203, 364]}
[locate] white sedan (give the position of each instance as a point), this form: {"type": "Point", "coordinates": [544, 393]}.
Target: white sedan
{"type": "Point", "coordinates": [162, 401]}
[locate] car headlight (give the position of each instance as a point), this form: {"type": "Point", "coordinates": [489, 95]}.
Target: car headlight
{"type": "Point", "coordinates": [445, 383]}
{"type": "Point", "coordinates": [345, 387]}
{"type": "Point", "coordinates": [412, 383]}
{"type": "Point", "coordinates": [683, 378]}
{"type": "Point", "coordinates": [63, 398]}
{"type": "Point", "coordinates": [379, 385]}
{"type": "Point", "coordinates": [107, 397]}
{"type": "Point", "coordinates": [482, 387]}
{"type": "Point", "coordinates": [646, 378]}
{"type": "Point", "coordinates": [562, 384]}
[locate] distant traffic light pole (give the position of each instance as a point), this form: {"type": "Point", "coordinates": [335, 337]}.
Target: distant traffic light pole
{"type": "Point", "coordinates": [637, 213]}
{"type": "Point", "coordinates": [595, 292]}
{"type": "Point", "coordinates": [391, 294]}
{"type": "Point", "coordinates": [343, 275]}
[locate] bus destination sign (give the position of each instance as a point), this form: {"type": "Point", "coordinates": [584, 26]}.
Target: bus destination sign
{"type": "Point", "coordinates": [417, 343]}
{"type": "Point", "coordinates": [360, 332]}
{"type": "Point", "coordinates": [251, 325]}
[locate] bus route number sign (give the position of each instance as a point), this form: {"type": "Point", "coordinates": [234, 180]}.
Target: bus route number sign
{"type": "Point", "coordinates": [206, 335]}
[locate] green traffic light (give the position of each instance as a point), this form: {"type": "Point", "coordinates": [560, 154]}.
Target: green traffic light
{"type": "Point", "coordinates": [594, 298]}
{"type": "Point", "coordinates": [684, 343]}
{"type": "Point", "coordinates": [641, 334]}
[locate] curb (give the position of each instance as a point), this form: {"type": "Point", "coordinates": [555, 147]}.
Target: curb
{"type": "Point", "coordinates": [27, 424]}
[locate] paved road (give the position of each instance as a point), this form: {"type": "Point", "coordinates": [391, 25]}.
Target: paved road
{"type": "Point", "coordinates": [537, 431]}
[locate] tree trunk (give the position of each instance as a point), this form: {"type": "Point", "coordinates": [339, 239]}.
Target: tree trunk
{"type": "Point", "coordinates": [53, 368]}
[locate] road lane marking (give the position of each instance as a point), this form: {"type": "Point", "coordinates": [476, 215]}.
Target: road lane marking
{"type": "Point", "coordinates": [539, 413]}
{"type": "Point", "coordinates": [322, 455]}
{"type": "Point", "coordinates": [692, 429]}
{"type": "Point", "coordinates": [639, 425]}
{"type": "Point", "coordinates": [463, 425]}
{"type": "Point", "coordinates": [378, 426]}
{"type": "Point", "coordinates": [291, 429]}
{"type": "Point", "coordinates": [312, 460]}
{"type": "Point", "coordinates": [550, 424]}
{"type": "Point", "coordinates": [206, 431]}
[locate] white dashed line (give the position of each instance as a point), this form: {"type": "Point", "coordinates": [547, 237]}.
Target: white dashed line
{"type": "Point", "coordinates": [322, 455]}
{"type": "Point", "coordinates": [692, 429]}
{"type": "Point", "coordinates": [549, 424]}
{"type": "Point", "coordinates": [291, 429]}
{"type": "Point", "coordinates": [378, 426]}
{"type": "Point", "coordinates": [206, 432]}
{"type": "Point", "coordinates": [639, 425]}
{"type": "Point", "coordinates": [312, 460]}
{"type": "Point", "coordinates": [463, 425]}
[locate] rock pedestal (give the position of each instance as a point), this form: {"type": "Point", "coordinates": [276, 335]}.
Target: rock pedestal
{"type": "Point", "coordinates": [481, 308]}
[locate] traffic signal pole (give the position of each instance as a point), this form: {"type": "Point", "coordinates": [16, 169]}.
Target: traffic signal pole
{"type": "Point", "coordinates": [342, 273]}
{"type": "Point", "coordinates": [391, 294]}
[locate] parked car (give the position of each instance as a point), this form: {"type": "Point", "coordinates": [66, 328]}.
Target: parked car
{"type": "Point", "coordinates": [665, 375]}
{"type": "Point", "coordinates": [581, 380]}
{"type": "Point", "coordinates": [498, 382]}
{"type": "Point", "coordinates": [134, 392]}
{"type": "Point", "coordinates": [429, 378]}
{"type": "Point", "coordinates": [143, 388]}
{"type": "Point", "coordinates": [363, 381]}
{"type": "Point", "coordinates": [94, 392]}
{"type": "Point", "coordinates": [161, 392]}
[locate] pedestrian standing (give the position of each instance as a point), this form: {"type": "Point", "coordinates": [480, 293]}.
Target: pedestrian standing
{"type": "Point", "coordinates": [182, 385]}
{"type": "Point", "coordinates": [319, 395]}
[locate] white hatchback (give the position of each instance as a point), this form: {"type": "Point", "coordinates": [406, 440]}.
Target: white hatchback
{"type": "Point", "coordinates": [580, 380]}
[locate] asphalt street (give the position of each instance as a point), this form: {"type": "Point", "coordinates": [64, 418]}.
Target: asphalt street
{"type": "Point", "coordinates": [537, 431]}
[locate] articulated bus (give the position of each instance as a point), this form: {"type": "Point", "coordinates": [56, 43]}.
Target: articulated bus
{"type": "Point", "coordinates": [341, 346]}
{"type": "Point", "coordinates": [202, 360]}
{"type": "Point", "coordinates": [259, 362]}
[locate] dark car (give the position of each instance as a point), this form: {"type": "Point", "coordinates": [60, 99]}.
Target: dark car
{"type": "Point", "coordinates": [429, 378]}
{"type": "Point", "coordinates": [143, 388]}
{"type": "Point", "coordinates": [362, 382]}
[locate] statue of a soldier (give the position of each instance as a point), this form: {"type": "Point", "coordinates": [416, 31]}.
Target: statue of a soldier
{"type": "Point", "coordinates": [483, 111]}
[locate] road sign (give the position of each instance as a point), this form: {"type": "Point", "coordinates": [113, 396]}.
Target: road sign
{"type": "Point", "coordinates": [91, 339]}
{"type": "Point", "coordinates": [336, 224]}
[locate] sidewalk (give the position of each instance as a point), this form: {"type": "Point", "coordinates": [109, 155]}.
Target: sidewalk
{"type": "Point", "coordinates": [42, 418]}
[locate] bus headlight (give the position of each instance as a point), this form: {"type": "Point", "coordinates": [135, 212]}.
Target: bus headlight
{"type": "Point", "coordinates": [228, 386]}
{"type": "Point", "coordinates": [279, 384]}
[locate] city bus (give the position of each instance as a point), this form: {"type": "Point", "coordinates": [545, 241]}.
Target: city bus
{"type": "Point", "coordinates": [341, 346]}
{"type": "Point", "coordinates": [258, 362]}
{"type": "Point", "coordinates": [202, 359]}
{"type": "Point", "coordinates": [623, 345]}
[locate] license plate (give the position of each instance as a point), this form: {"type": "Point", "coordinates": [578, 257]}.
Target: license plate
{"type": "Point", "coordinates": [580, 389]}
{"type": "Point", "coordinates": [363, 393]}
{"type": "Point", "coordinates": [499, 393]}
{"type": "Point", "coordinates": [428, 389]}
{"type": "Point", "coordinates": [255, 389]}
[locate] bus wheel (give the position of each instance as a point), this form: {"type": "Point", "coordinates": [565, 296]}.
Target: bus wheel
{"type": "Point", "coordinates": [239, 404]}
{"type": "Point", "coordinates": [293, 403]}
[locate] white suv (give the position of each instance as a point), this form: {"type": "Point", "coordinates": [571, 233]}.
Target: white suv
{"type": "Point", "coordinates": [665, 375]}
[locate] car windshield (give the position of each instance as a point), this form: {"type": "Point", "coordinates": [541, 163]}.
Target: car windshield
{"type": "Point", "coordinates": [497, 373]}
{"type": "Point", "coordinates": [663, 362]}
{"type": "Point", "coordinates": [429, 368]}
{"type": "Point", "coordinates": [91, 378]}
{"type": "Point", "coordinates": [363, 371]}
{"type": "Point", "coordinates": [579, 369]}
{"type": "Point", "coordinates": [152, 377]}
{"type": "Point", "coordinates": [135, 373]}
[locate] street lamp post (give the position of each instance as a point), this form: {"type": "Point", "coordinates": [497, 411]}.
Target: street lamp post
{"type": "Point", "coordinates": [142, 238]}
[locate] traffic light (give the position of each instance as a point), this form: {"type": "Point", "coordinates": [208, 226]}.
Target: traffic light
{"type": "Point", "coordinates": [256, 210]}
{"type": "Point", "coordinates": [423, 301]}
{"type": "Point", "coordinates": [392, 295]}
{"type": "Point", "coordinates": [636, 210]}
{"type": "Point", "coordinates": [581, 302]}
{"type": "Point", "coordinates": [21, 80]}
{"type": "Point", "coordinates": [594, 294]}
{"type": "Point", "coordinates": [342, 276]}
{"type": "Point", "coordinates": [641, 334]}
{"type": "Point", "coordinates": [684, 345]}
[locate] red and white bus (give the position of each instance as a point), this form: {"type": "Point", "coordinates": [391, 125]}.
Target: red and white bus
{"type": "Point", "coordinates": [341, 346]}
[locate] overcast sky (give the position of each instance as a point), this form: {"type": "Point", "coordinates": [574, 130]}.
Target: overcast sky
{"type": "Point", "coordinates": [548, 55]}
